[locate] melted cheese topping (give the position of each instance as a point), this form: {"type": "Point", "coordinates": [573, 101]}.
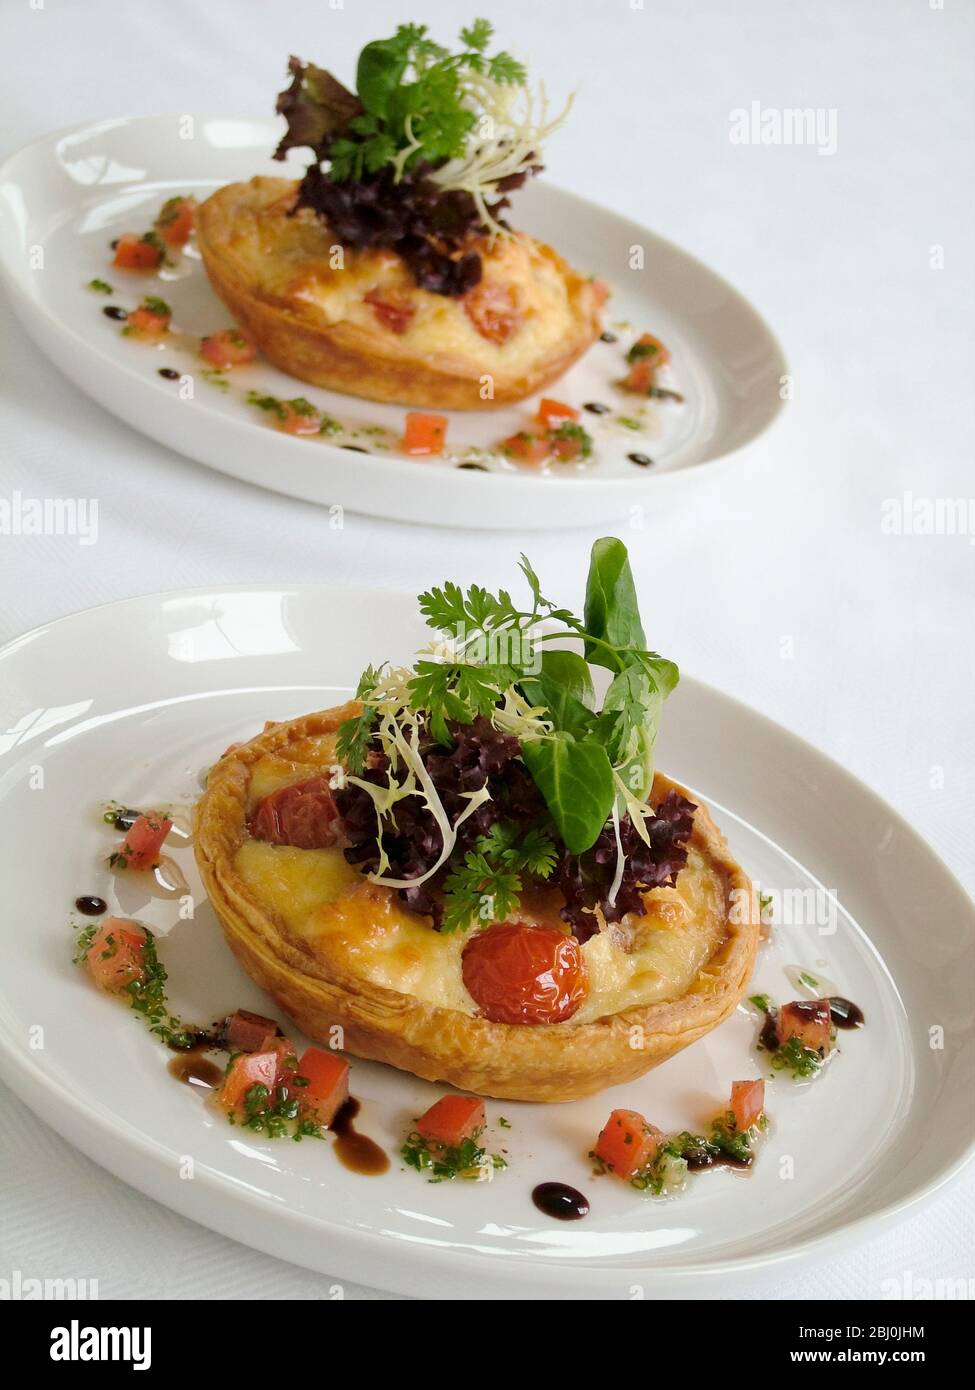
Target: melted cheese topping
{"type": "Point", "coordinates": [354, 928]}
{"type": "Point", "coordinates": [294, 262]}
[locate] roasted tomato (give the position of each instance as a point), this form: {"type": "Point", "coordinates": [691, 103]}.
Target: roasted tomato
{"type": "Point", "coordinates": [627, 1143]}
{"type": "Point", "coordinates": [138, 252]}
{"type": "Point", "coordinates": [116, 955]}
{"type": "Point", "coordinates": [553, 413]}
{"type": "Point", "coordinates": [526, 447]}
{"type": "Point", "coordinates": [493, 310]}
{"type": "Point", "coordinates": [175, 220]}
{"type": "Point", "coordinates": [327, 1088]}
{"type": "Point", "coordinates": [303, 815]}
{"type": "Point", "coordinates": [393, 308]}
{"type": "Point", "coordinates": [517, 973]}
{"type": "Point", "coordinates": [141, 847]}
{"type": "Point", "coordinates": [150, 321]}
{"type": "Point", "coordinates": [747, 1103]}
{"type": "Point", "coordinates": [451, 1120]}
{"type": "Point", "coordinates": [808, 1021]}
{"type": "Point", "coordinates": [425, 434]}
{"type": "Point", "coordinates": [228, 348]}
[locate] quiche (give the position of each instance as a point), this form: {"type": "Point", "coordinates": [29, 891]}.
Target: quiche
{"type": "Point", "coordinates": [390, 270]}
{"type": "Point", "coordinates": [354, 320]}
{"type": "Point", "coordinates": [405, 875]}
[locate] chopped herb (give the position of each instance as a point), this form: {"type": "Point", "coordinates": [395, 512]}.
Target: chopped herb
{"type": "Point", "coordinates": [574, 434]}
{"type": "Point", "coordinates": [794, 1056]}
{"type": "Point", "coordinates": [808, 980]}
{"type": "Point", "coordinates": [468, 1160]}
{"type": "Point", "coordinates": [157, 306]}
{"type": "Point", "coordinates": [761, 1001]}
{"type": "Point", "coordinates": [100, 286]}
{"type": "Point", "coordinates": [629, 423]}
{"type": "Point", "coordinates": [503, 1123]}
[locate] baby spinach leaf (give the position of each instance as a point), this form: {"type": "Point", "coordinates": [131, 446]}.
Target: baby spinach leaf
{"type": "Point", "coordinates": [564, 687]}
{"type": "Point", "coordinates": [576, 781]}
{"type": "Point", "coordinates": [611, 612]}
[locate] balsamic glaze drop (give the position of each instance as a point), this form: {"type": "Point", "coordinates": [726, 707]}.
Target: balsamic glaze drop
{"type": "Point", "coordinates": [608, 337]}
{"type": "Point", "coordinates": [354, 448]}
{"type": "Point", "coordinates": [90, 905]}
{"type": "Point", "coordinates": [559, 1200]}
{"type": "Point", "coordinates": [354, 1150]}
{"type": "Point", "coordinates": [844, 1013]}
{"type": "Point", "coordinates": [597, 408]}
{"type": "Point", "coordinates": [697, 1159]}
{"type": "Point", "coordinates": [641, 460]}
{"type": "Point", "coordinates": [125, 818]}
{"type": "Point", "coordinates": [170, 373]}
{"type": "Point", "coordinates": [194, 1069]}
{"type": "Point", "coordinates": [474, 467]}
{"type": "Point", "coordinates": [112, 311]}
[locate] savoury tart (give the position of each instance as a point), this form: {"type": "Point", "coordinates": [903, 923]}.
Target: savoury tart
{"type": "Point", "coordinates": [354, 320]}
{"type": "Point", "coordinates": [333, 948]}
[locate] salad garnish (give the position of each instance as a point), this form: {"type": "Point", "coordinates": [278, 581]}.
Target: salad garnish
{"type": "Point", "coordinates": [422, 155]}
{"type": "Point", "coordinates": [490, 765]}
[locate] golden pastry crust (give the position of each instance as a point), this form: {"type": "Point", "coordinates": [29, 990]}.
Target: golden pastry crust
{"type": "Point", "coordinates": [303, 301]}
{"type": "Point", "coordinates": [552, 1062]}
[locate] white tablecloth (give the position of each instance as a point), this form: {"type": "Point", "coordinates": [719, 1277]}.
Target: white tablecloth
{"type": "Point", "coordinates": [776, 582]}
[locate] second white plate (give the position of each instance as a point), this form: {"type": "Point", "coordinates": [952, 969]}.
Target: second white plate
{"type": "Point", "coordinates": [129, 701]}
{"type": "Point", "coordinates": [64, 198]}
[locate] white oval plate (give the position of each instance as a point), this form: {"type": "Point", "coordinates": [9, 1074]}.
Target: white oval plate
{"type": "Point", "coordinates": [131, 700]}
{"type": "Point", "coordinates": [65, 197]}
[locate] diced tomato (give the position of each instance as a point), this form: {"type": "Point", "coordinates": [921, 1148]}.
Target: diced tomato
{"type": "Point", "coordinates": [143, 842]}
{"type": "Point", "coordinates": [425, 434]}
{"type": "Point", "coordinates": [150, 321]}
{"type": "Point", "coordinates": [492, 309]}
{"type": "Point", "coordinates": [245, 1032]}
{"type": "Point", "coordinates": [327, 1091]}
{"type": "Point", "coordinates": [645, 356]}
{"type": "Point", "coordinates": [138, 252]}
{"type": "Point", "coordinates": [526, 447]}
{"type": "Point", "coordinates": [297, 417]}
{"type": "Point", "coordinates": [228, 348]}
{"type": "Point", "coordinates": [286, 1053]}
{"type": "Point", "coordinates": [627, 1143]}
{"type": "Point", "coordinates": [551, 413]}
{"type": "Point", "coordinates": [570, 442]}
{"type": "Point", "coordinates": [116, 955]}
{"type": "Point", "coordinates": [807, 1020]}
{"type": "Point", "coordinates": [519, 973]}
{"type": "Point", "coordinates": [393, 308]}
{"type": "Point", "coordinates": [747, 1103]}
{"type": "Point", "coordinates": [451, 1120]}
{"type": "Point", "coordinates": [175, 220]}
{"type": "Point", "coordinates": [639, 378]}
{"type": "Point", "coordinates": [303, 815]}
{"type": "Point", "coordinates": [247, 1070]}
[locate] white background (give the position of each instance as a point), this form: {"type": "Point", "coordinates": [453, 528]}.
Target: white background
{"type": "Point", "coordinates": [772, 580]}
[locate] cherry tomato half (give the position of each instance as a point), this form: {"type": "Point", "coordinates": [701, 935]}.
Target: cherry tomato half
{"type": "Point", "coordinates": [303, 815]}
{"type": "Point", "coordinates": [517, 973]}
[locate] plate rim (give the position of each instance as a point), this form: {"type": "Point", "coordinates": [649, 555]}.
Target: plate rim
{"type": "Point", "coordinates": [377, 1259]}
{"type": "Point", "coordinates": [531, 487]}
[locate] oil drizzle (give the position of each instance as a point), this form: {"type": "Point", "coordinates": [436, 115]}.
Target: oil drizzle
{"type": "Point", "coordinates": [559, 1200]}
{"type": "Point", "coordinates": [356, 1151]}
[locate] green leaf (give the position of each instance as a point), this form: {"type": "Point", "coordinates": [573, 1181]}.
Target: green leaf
{"type": "Point", "coordinates": [612, 612]}
{"type": "Point", "coordinates": [478, 35]}
{"type": "Point", "coordinates": [382, 65]}
{"type": "Point", "coordinates": [576, 780]}
{"type": "Point", "coordinates": [564, 687]}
